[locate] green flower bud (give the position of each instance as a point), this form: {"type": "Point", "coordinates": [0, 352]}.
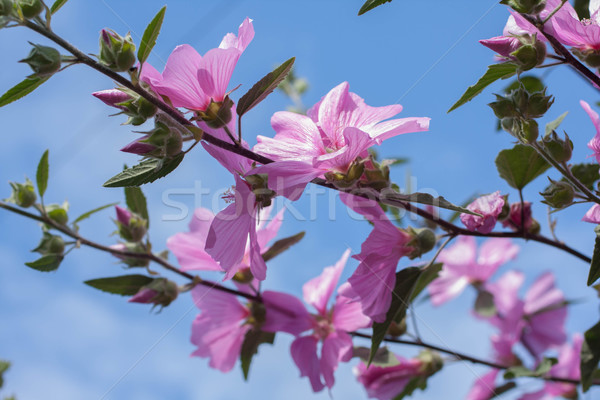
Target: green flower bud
{"type": "Point", "coordinates": [560, 150]}
{"type": "Point", "coordinates": [6, 7]}
{"type": "Point", "coordinates": [504, 107]}
{"type": "Point", "coordinates": [529, 131]}
{"type": "Point", "coordinates": [160, 292]}
{"type": "Point", "coordinates": [423, 240]}
{"type": "Point", "coordinates": [31, 8]}
{"type": "Point", "coordinates": [531, 54]}
{"type": "Point", "coordinates": [50, 244]}
{"type": "Point", "coordinates": [559, 194]}
{"type": "Point", "coordinates": [43, 60]}
{"type": "Point", "coordinates": [259, 186]}
{"type": "Point", "coordinates": [218, 114]}
{"type": "Point", "coordinates": [432, 361]}
{"type": "Point", "coordinates": [58, 213]}
{"type": "Point", "coordinates": [244, 276]}
{"type": "Point", "coordinates": [397, 329]}
{"type": "Point", "coordinates": [116, 52]}
{"type": "Point", "coordinates": [538, 104]}
{"type": "Point", "coordinates": [23, 194]}
{"type": "Point", "coordinates": [526, 6]}
{"type": "Point", "coordinates": [131, 248]}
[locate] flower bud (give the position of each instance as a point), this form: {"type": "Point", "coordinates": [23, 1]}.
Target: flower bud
{"type": "Point", "coordinates": [58, 213]}
{"type": "Point", "coordinates": [23, 194]}
{"type": "Point", "coordinates": [50, 244]}
{"type": "Point", "coordinates": [116, 52]}
{"type": "Point", "coordinates": [560, 150]}
{"type": "Point", "coordinates": [513, 220]}
{"type": "Point", "coordinates": [504, 107]}
{"type": "Point", "coordinates": [503, 45]}
{"type": "Point", "coordinates": [243, 276]}
{"type": "Point", "coordinates": [526, 6]}
{"type": "Point", "coordinates": [423, 240]}
{"type": "Point", "coordinates": [397, 329]}
{"type": "Point", "coordinates": [530, 54]}
{"type": "Point", "coordinates": [538, 104]}
{"type": "Point", "coordinates": [559, 194]}
{"type": "Point", "coordinates": [259, 186]}
{"type": "Point", "coordinates": [43, 60]}
{"type": "Point", "coordinates": [31, 8]}
{"type": "Point", "coordinates": [376, 175]}
{"type": "Point", "coordinates": [589, 56]}
{"type": "Point", "coordinates": [131, 248]}
{"type": "Point", "coordinates": [131, 226]}
{"type": "Point", "coordinates": [163, 141]}
{"type": "Point", "coordinates": [6, 7]}
{"type": "Point", "coordinates": [529, 131]}
{"type": "Point", "coordinates": [217, 114]}
{"type": "Point", "coordinates": [160, 292]}
{"type": "Point", "coordinates": [112, 97]}
{"type": "Point", "coordinates": [432, 362]}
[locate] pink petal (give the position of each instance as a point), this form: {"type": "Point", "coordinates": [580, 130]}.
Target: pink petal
{"type": "Point", "coordinates": [336, 347]}
{"type": "Point", "coordinates": [266, 234]}
{"type": "Point", "coordinates": [257, 264]}
{"type": "Point", "coordinates": [242, 40]}
{"type": "Point", "coordinates": [357, 142]}
{"type": "Point", "coordinates": [347, 314]}
{"type": "Point", "coordinates": [446, 287]}
{"type": "Point", "coordinates": [304, 353]}
{"type": "Point", "coordinates": [483, 389]}
{"type": "Point", "coordinates": [285, 313]}
{"type": "Point", "coordinates": [542, 294]}
{"type": "Point", "coordinates": [289, 178]}
{"type": "Point", "coordinates": [593, 144]}
{"type": "Point", "coordinates": [461, 255]}
{"type": "Point", "coordinates": [493, 253]}
{"type": "Point", "coordinates": [388, 129]}
{"type": "Point", "coordinates": [369, 208]}
{"type": "Point", "coordinates": [216, 70]}
{"type": "Point", "coordinates": [317, 291]}
{"type": "Point", "coordinates": [592, 215]}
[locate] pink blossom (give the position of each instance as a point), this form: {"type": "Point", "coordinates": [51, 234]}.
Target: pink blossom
{"type": "Point", "coordinates": [329, 326]}
{"type": "Point", "coordinates": [483, 388]}
{"type": "Point", "coordinates": [517, 25]}
{"type": "Point", "coordinates": [387, 382]}
{"type": "Point", "coordinates": [192, 81]}
{"type": "Point", "coordinates": [189, 247]}
{"type": "Point", "coordinates": [515, 214]}
{"type": "Point", "coordinates": [337, 130]}
{"type": "Point", "coordinates": [462, 266]}
{"type": "Point", "coordinates": [219, 330]}
{"type": "Point", "coordinates": [569, 30]}
{"type": "Point", "coordinates": [593, 144]}
{"type": "Point", "coordinates": [374, 279]}
{"type": "Point", "coordinates": [592, 215]}
{"type": "Point", "coordinates": [489, 206]}
{"type": "Point", "coordinates": [567, 367]}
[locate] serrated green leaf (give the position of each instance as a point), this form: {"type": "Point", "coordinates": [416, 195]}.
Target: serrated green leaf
{"type": "Point", "coordinates": [136, 202]}
{"type": "Point", "coordinates": [282, 245]}
{"type": "Point", "coordinates": [427, 276]}
{"type": "Point", "coordinates": [125, 285]}
{"type": "Point", "coordinates": [494, 72]}
{"type": "Point", "coordinates": [586, 173]}
{"type": "Point", "coordinates": [21, 90]}
{"type": "Point", "coordinates": [264, 87]}
{"type": "Point", "coordinates": [484, 304]}
{"type": "Point", "coordinates": [57, 5]}
{"type": "Point", "coordinates": [145, 172]}
{"type": "Point", "coordinates": [594, 273]}
{"type": "Point", "coordinates": [520, 371]}
{"type": "Point", "coordinates": [94, 211]}
{"type": "Point", "coordinates": [406, 281]}
{"type": "Point", "coordinates": [253, 339]}
{"type": "Point", "coordinates": [41, 175]}
{"type": "Point", "coordinates": [427, 199]}
{"type": "Point", "coordinates": [552, 126]}
{"type": "Point", "coordinates": [150, 35]}
{"type": "Point", "coordinates": [590, 356]}
{"type": "Point", "coordinates": [520, 165]}
{"type": "Point", "coordinates": [47, 263]}
{"type": "Point", "coordinates": [371, 4]}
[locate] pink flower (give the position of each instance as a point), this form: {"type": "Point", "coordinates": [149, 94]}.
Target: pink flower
{"type": "Point", "coordinates": [329, 326]}
{"type": "Point", "coordinates": [189, 247]}
{"type": "Point", "coordinates": [484, 386]}
{"type": "Point", "coordinates": [385, 383]}
{"type": "Point", "coordinates": [337, 130]}
{"type": "Point", "coordinates": [193, 81]}
{"type": "Point", "coordinates": [537, 320]}
{"type": "Point", "coordinates": [584, 34]}
{"type": "Point", "coordinates": [462, 266]}
{"type": "Point", "coordinates": [219, 330]}
{"type": "Point", "coordinates": [593, 144]}
{"type": "Point", "coordinates": [592, 215]}
{"type": "Point", "coordinates": [373, 281]}
{"type": "Point", "coordinates": [517, 25]}
{"type": "Point", "coordinates": [489, 206]}
{"type": "Point", "coordinates": [513, 220]}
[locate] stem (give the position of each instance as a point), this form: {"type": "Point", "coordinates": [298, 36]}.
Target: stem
{"type": "Point", "coordinates": [234, 148]}
{"type": "Point", "coordinates": [553, 12]}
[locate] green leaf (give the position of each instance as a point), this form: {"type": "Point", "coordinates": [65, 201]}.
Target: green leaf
{"type": "Point", "coordinates": [427, 276]}
{"type": "Point", "coordinates": [425, 198]}
{"type": "Point", "coordinates": [47, 263]}
{"type": "Point", "coordinates": [4, 366]}
{"type": "Point", "coordinates": [542, 369]}
{"type": "Point", "coordinates": [41, 175]}
{"type": "Point", "coordinates": [590, 356]}
{"type": "Point", "coordinates": [494, 72]}
{"type": "Point", "coordinates": [406, 281]}
{"type": "Point", "coordinates": [520, 165]}
{"type": "Point", "coordinates": [57, 5]}
{"type": "Point", "coordinates": [552, 126]}
{"type": "Point", "coordinates": [586, 173]}
{"type": "Point", "coordinates": [145, 172]}
{"type": "Point", "coordinates": [125, 285]}
{"type": "Point", "coordinates": [94, 211]}
{"type": "Point", "coordinates": [282, 245]}
{"type": "Point", "coordinates": [371, 4]}
{"type": "Point", "coordinates": [595, 266]}
{"type": "Point", "coordinates": [253, 339]}
{"type": "Point", "coordinates": [150, 35]}
{"type": "Point", "coordinates": [484, 304]}
{"type": "Point", "coordinates": [136, 201]}
{"type": "Point", "coordinates": [22, 89]}
{"type": "Point", "coordinates": [264, 87]}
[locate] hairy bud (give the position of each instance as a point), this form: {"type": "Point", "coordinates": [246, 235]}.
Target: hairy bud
{"type": "Point", "coordinates": [31, 8]}
{"type": "Point", "coordinates": [50, 244]}
{"type": "Point", "coordinates": [43, 60]}
{"type": "Point", "coordinates": [560, 150]}
{"type": "Point", "coordinates": [23, 194]}
{"type": "Point", "coordinates": [116, 52]}
{"type": "Point", "coordinates": [558, 195]}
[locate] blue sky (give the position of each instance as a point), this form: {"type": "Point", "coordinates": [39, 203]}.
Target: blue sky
{"type": "Point", "coordinates": [68, 339]}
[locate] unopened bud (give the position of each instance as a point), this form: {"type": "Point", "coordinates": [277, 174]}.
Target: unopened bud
{"type": "Point", "coordinates": [560, 150]}
{"type": "Point", "coordinates": [6, 7]}
{"type": "Point", "coordinates": [131, 226]}
{"type": "Point", "coordinates": [58, 213]}
{"type": "Point", "coordinates": [504, 107]}
{"type": "Point", "coordinates": [432, 362]}
{"type": "Point", "coordinates": [259, 186]}
{"type": "Point", "coordinates": [243, 276]}
{"type": "Point", "coordinates": [538, 104]}
{"type": "Point", "coordinates": [531, 53]}
{"type": "Point", "coordinates": [50, 244]}
{"type": "Point", "coordinates": [558, 195]}
{"type": "Point", "coordinates": [31, 8]}
{"type": "Point", "coordinates": [23, 194]}
{"type": "Point", "coordinates": [531, 7]}
{"type": "Point", "coordinates": [43, 60]}
{"type": "Point", "coordinates": [529, 131]}
{"type": "Point", "coordinates": [397, 329]}
{"type": "Point", "coordinates": [217, 114]}
{"type": "Point", "coordinates": [131, 248]}
{"type": "Point", "coordinates": [160, 292]}
{"type": "Point", "coordinates": [116, 52]}
{"type": "Point", "coordinates": [423, 240]}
